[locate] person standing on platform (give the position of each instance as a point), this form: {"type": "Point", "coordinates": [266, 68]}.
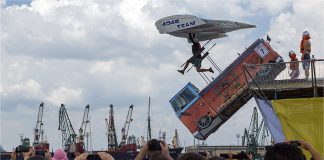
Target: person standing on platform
{"type": "Point", "coordinates": [305, 49]}
{"type": "Point", "coordinates": [294, 65]}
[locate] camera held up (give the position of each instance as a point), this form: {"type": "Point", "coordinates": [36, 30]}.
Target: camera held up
{"type": "Point", "coordinates": [154, 145]}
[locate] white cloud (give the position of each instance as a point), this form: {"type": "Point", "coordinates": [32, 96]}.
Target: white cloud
{"type": "Point", "coordinates": [65, 95]}
{"type": "Point", "coordinates": [31, 88]}
{"type": "Point", "coordinates": [2, 3]}
{"type": "Point", "coordinates": [288, 26]}
{"type": "Point", "coordinates": [271, 7]}
{"type": "Point", "coordinates": [102, 67]}
{"type": "Point", "coordinates": [132, 13]}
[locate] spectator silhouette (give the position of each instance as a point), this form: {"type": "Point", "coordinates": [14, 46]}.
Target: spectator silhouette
{"type": "Point", "coordinates": [291, 151]}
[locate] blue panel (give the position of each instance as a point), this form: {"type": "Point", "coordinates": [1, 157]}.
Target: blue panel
{"type": "Point", "coordinates": [184, 99]}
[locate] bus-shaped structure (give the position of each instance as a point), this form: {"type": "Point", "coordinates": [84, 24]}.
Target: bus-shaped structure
{"type": "Point", "coordinates": [203, 112]}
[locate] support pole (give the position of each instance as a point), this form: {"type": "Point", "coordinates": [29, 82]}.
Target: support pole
{"type": "Point", "coordinates": [314, 82]}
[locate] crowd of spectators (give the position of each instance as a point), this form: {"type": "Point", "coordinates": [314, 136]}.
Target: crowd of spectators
{"type": "Point", "coordinates": [159, 150]}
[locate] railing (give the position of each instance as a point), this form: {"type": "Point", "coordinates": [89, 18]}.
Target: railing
{"type": "Point", "coordinates": [279, 76]}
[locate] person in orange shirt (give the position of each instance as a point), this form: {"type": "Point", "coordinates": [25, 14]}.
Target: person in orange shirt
{"type": "Point", "coordinates": [305, 49]}
{"type": "Point", "coordinates": [294, 65]}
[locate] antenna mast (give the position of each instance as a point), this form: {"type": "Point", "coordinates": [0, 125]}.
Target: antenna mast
{"type": "Point", "coordinates": [149, 121]}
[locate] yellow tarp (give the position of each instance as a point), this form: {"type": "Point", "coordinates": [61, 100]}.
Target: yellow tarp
{"type": "Point", "coordinates": [302, 118]}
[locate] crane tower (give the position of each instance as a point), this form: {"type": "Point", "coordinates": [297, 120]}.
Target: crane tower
{"type": "Point", "coordinates": [251, 137]}
{"type": "Point", "coordinates": [65, 125]}
{"type": "Point", "coordinates": [111, 131]}
{"type": "Point", "coordinates": [39, 143]}
{"type": "Point", "coordinates": [126, 126]}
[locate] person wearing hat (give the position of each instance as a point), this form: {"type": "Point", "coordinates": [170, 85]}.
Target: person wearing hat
{"type": "Point", "coordinates": [59, 154]}
{"type": "Point", "coordinates": [305, 49]}
{"type": "Point", "coordinates": [294, 65]}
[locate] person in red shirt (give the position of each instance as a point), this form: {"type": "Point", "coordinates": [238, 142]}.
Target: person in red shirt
{"type": "Point", "coordinates": [294, 65]}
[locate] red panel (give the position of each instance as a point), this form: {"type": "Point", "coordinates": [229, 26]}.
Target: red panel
{"type": "Point", "coordinates": [192, 115]}
{"type": "Point", "coordinates": [229, 85]}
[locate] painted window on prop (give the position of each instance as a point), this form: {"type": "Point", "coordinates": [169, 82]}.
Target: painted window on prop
{"type": "Point", "coordinates": [183, 99]}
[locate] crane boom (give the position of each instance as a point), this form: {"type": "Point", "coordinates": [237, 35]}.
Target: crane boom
{"type": "Point", "coordinates": [38, 130]}
{"type": "Point", "coordinates": [85, 121]}
{"type": "Point", "coordinates": [68, 134]}
{"type": "Point", "coordinates": [126, 126]}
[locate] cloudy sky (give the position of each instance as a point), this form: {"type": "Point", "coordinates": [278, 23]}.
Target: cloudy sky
{"type": "Point", "coordinates": [102, 52]}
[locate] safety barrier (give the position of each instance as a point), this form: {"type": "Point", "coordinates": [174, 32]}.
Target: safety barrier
{"type": "Point", "coordinates": [267, 78]}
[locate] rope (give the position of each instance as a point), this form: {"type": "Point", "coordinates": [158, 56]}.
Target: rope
{"type": "Point", "coordinates": [214, 64]}
{"type": "Point", "coordinates": [207, 43]}
{"type": "Point", "coordinates": [202, 77]}
{"type": "Point", "coordinates": [206, 77]}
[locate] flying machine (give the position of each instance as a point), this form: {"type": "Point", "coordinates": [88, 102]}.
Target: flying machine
{"type": "Point", "coordinates": [204, 111]}
{"type": "Point", "coordinates": [204, 29]}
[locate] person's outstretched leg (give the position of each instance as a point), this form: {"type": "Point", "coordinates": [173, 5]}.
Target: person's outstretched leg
{"type": "Point", "coordinates": [184, 68]}
{"type": "Point", "coordinates": [204, 70]}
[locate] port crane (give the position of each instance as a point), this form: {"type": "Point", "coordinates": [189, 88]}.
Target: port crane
{"type": "Point", "coordinates": [111, 131]}
{"type": "Point", "coordinates": [39, 143]}
{"type": "Point", "coordinates": [68, 134]}
{"type": "Point", "coordinates": [83, 128]}
{"type": "Point", "coordinates": [38, 130]}
{"type": "Point", "coordinates": [251, 137]}
{"type": "Point", "coordinates": [125, 129]}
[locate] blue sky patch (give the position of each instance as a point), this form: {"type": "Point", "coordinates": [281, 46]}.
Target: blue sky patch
{"type": "Point", "coordinates": [18, 2]}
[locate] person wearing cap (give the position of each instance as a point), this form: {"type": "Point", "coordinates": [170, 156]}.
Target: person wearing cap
{"type": "Point", "coordinates": [196, 59]}
{"type": "Point", "coordinates": [294, 65]}
{"type": "Point", "coordinates": [102, 156]}
{"type": "Point", "coordinates": [59, 154]}
{"type": "Point", "coordinates": [305, 49]}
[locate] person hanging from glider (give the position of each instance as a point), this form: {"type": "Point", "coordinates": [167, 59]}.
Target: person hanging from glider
{"type": "Point", "coordinates": [196, 59]}
{"type": "Point", "coordinates": [199, 29]}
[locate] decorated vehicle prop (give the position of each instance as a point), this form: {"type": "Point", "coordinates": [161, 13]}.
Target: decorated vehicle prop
{"type": "Point", "coordinates": [204, 111]}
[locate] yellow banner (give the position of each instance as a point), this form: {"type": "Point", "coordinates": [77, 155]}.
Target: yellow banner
{"type": "Point", "coordinates": [302, 119]}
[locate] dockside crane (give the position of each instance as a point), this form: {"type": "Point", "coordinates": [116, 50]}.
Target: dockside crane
{"type": "Point", "coordinates": [39, 143]}
{"type": "Point", "coordinates": [126, 126]}
{"type": "Point", "coordinates": [251, 137]}
{"type": "Point", "coordinates": [83, 128]}
{"type": "Point", "coordinates": [111, 131]}
{"type": "Point", "coordinates": [38, 130]}
{"type": "Point", "coordinates": [68, 134]}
